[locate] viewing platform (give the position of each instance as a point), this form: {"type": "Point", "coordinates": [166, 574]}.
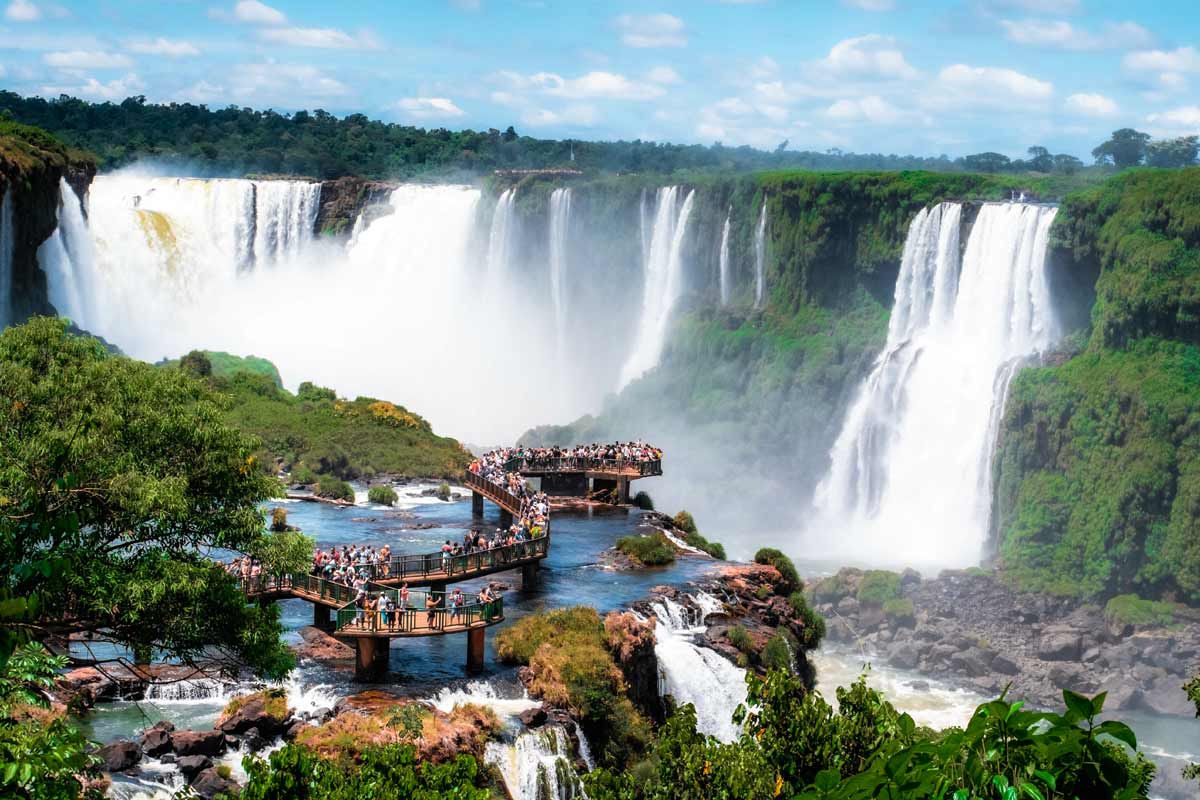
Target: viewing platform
{"type": "Point", "coordinates": [577, 476]}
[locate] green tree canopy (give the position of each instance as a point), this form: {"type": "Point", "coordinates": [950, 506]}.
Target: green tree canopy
{"type": "Point", "coordinates": [116, 481]}
{"type": "Point", "coordinates": [1126, 148]}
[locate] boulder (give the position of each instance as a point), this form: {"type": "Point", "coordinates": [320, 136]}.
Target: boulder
{"type": "Point", "coordinates": [156, 739]}
{"type": "Point", "coordinates": [1166, 696]}
{"type": "Point", "coordinates": [1122, 695]}
{"type": "Point", "coordinates": [847, 606]}
{"type": "Point", "coordinates": [973, 662]}
{"type": "Point", "coordinates": [120, 756]}
{"type": "Point", "coordinates": [191, 766]}
{"type": "Point", "coordinates": [1065, 675]}
{"type": "Point", "coordinates": [904, 655]}
{"type": "Point", "coordinates": [1005, 665]}
{"type": "Point", "coordinates": [265, 711]}
{"type": "Point", "coordinates": [1060, 644]}
{"type": "Point", "coordinates": [294, 730]}
{"type": "Point", "coordinates": [320, 646]}
{"type": "Point", "coordinates": [198, 743]}
{"type": "Point", "coordinates": [253, 741]}
{"type": "Point", "coordinates": [533, 717]}
{"type": "Point", "coordinates": [209, 783]}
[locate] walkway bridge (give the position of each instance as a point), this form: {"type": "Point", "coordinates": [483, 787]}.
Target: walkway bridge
{"type": "Point", "coordinates": [580, 476]}
{"type": "Point", "coordinates": [334, 608]}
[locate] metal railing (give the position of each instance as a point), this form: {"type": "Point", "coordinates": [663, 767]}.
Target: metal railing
{"type": "Point", "coordinates": [414, 617]}
{"type": "Point", "coordinates": [584, 464]}
{"type": "Point", "coordinates": [495, 492]}
{"type": "Point", "coordinates": [439, 564]}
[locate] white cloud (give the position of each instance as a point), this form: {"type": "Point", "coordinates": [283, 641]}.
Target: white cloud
{"type": "Point", "coordinates": [203, 92]}
{"type": "Point", "coordinates": [117, 89]}
{"type": "Point", "coordinates": [326, 38]}
{"type": "Point", "coordinates": [429, 107]}
{"type": "Point", "coordinates": [592, 85]}
{"type": "Point", "coordinates": [22, 11]}
{"type": "Point", "coordinates": [258, 13]}
{"type": "Point", "coordinates": [579, 114]}
{"type": "Point", "coordinates": [652, 30]}
{"type": "Point", "coordinates": [871, 5]}
{"type": "Point", "coordinates": [961, 85]}
{"type": "Point", "coordinates": [285, 84]}
{"type": "Point", "coordinates": [1182, 121]}
{"type": "Point", "coordinates": [874, 110]}
{"type": "Point", "coordinates": [1181, 59]}
{"type": "Point", "coordinates": [1092, 105]}
{"type": "Point", "coordinates": [871, 56]}
{"type": "Point", "coordinates": [87, 59]}
{"type": "Point", "coordinates": [1037, 6]}
{"type": "Point", "coordinates": [1062, 35]}
{"type": "Point", "coordinates": [172, 48]}
{"type": "Point", "coordinates": [663, 75]}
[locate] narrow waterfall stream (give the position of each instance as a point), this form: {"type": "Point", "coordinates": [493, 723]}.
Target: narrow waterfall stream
{"type": "Point", "coordinates": [723, 262]}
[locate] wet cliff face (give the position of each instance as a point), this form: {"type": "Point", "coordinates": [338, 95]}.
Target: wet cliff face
{"type": "Point", "coordinates": [31, 167]}
{"type": "Point", "coordinates": [342, 200]}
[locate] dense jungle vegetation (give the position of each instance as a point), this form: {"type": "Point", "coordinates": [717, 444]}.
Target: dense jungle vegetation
{"type": "Point", "coordinates": [320, 145]}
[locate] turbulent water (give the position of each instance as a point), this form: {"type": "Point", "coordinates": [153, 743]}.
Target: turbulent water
{"type": "Point", "coordinates": [910, 473]}
{"type": "Point", "coordinates": [560, 237]}
{"type": "Point", "coordinates": [760, 257]}
{"type": "Point", "coordinates": [7, 246]}
{"type": "Point", "coordinates": [723, 262]}
{"type": "Point", "coordinates": [693, 674]}
{"type": "Point", "coordinates": [663, 281]}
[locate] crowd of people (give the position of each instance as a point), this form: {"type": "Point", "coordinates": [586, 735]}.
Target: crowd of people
{"type": "Point", "coordinates": [637, 452]}
{"type": "Point", "coordinates": [531, 522]}
{"type": "Point", "coordinates": [386, 610]}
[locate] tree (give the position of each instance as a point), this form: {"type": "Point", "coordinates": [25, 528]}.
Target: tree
{"type": "Point", "coordinates": [986, 162]}
{"type": "Point", "coordinates": [197, 363]}
{"type": "Point", "coordinates": [1126, 148]}
{"type": "Point", "coordinates": [1067, 164]}
{"type": "Point", "coordinates": [1040, 159]}
{"type": "Point", "coordinates": [1180, 152]}
{"type": "Point", "coordinates": [116, 480]}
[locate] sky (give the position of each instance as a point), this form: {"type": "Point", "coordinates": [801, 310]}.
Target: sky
{"type": "Point", "coordinates": [891, 76]}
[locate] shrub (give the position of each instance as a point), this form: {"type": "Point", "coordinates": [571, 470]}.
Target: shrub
{"type": "Point", "coordinates": [900, 611]}
{"type": "Point", "coordinates": [382, 495]}
{"type": "Point", "coordinates": [791, 579]}
{"type": "Point", "coordinates": [740, 639]}
{"type": "Point", "coordinates": [830, 589]}
{"type": "Point", "coordinates": [779, 653]}
{"type": "Point", "coordinates": [814, 623]}
{"type": "Point", "coordinates": [684, 522]}
{"type": "Point", "coordinates": [443, 491]}
{"type": "Point", "coordinates": [334, 489]}
{"type": "Point", "coordinates": [279, 521]}
{"type": "Point", "coordinates": [643, 501]}
{"type": "Point", "coordinates": [1129, 609]}
{"type": "Point", "coordinates": [650, 551]}
{"type": "Point", "coordinates": [303, 475]}
{"type": "Point", "coordinates": [225, 771]}
{"type": "Point", "coordinates": [878, 586]}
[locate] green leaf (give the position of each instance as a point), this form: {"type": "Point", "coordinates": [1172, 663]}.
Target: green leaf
{"type": "Point", "coordinates": [1047, 778]}
{"type": "Point", "coordinates": [1119, 731]}
{"type": "Point", "coordinates": [1077, 704]}
{"type": "Point", "coordinates": [1032, 791]}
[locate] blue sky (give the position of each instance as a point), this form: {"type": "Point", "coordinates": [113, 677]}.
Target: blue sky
{"type": "Point", "coordinates": [893, 76]}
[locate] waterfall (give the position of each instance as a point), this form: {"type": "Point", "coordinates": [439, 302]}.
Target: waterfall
{"type": "Point", "coordinates": [8, 247]}
{"type": "Point", "coordinates": [499, 240]}
{"type": "Point", "coordinates": [910, 471]}
{"type": "Point", "coordinates": [760, 256]}
{"type": "Point", "coordinates": [724, 261]}
{"type": "Point", "coordinates": [64, 258]}
{"type": "Point", "coordinates": [560, 229]}
{"type": "Point", "coordinates": [536, 764]}
{"type": "Point", "coordinates": [693, 674]}
{"type": "Point", "coordinates": [644, 226]}
{"type": "Point", "coordinates": [285, 214]}
{"type": "Point", "coordinates": [191, 691]}
{"type": "Point", "coordinates": [663, 270]}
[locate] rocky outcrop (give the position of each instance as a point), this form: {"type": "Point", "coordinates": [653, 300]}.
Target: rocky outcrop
{"type": "Point", "coordinates": [320, 646]}
{"type": "Point", "coordinates": [970, 629]}
{"type": "Point", "coordinates": [343, 199]}
{"type": "Point", "coordinates": [266, 713]}
{"type": "Point", "coordinates": [156, 739]}
{"type": "Point", "coordinates": [209, 783]}
{"type": "Point", "coordinates": [119, 756]}
{"type": "Point", "coordinates": [198, 743]}
{"type": "Point", "coordinates": [31, 166]}
{"type": "Point", "coordinates": [631, 641]}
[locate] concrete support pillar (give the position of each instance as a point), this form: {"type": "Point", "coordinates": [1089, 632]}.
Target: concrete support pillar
{"type": "Point", "coordinates": [322, 617]}
{"type": "Point", "coordinates": [476, 504]}
{"type": "Point", "coordinates": [371, 658]}
{"type": "Point", "coordinates": [506, 518]}
{"type": "Point", "coordinates": [529, 577]}
{"type": "Point", "coordinates": [475, 649]}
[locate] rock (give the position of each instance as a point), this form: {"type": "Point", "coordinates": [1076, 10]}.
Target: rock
{"type": "Point", "coordinates": [120, 756]}
{"type": "Point", "coordinates": [1004, 665]}
{"type": "Point", "coordinates": [904, 655]}
{"type": "Point", "coordinates": [264, 711]}
{"type": "Point", "coordinates": [871, 618]}
{"type": "Point", "coordinates": [191, 766]}
{"type": "Point", "coordinates": [209, 783]}
{"type": "Point", "coordinates": [973, 662]}
{"type": "Point", "coordinates": [1122, 695]}
{"type": "Point", "coordinates": [198, 743]}
{"type": "Point", "coordinates": [168, 758]}
{"type": "Point", "coordinates": [1059, 644]}
{"type": "Point", "coordinates": [1166, 696]}
{"type": "Point", "coordinates": [253, 741]}
{"type": "Point", "coordinates": [1090, 655]}
{"type": "Point", "coordinates": [910, 577]}
{"type": "Point", "coordinates": [156, 739]}
{"type": "Point", "coordinates": [533, 717]}
{"type": "Point", "coordinates": [919, 686]}
{"type": "Point", "coordinates": [294, 730]}
{"type": "Point", "coordinates": [320, 646]}
{"type": "Point", "coordinates": [1066, 675]}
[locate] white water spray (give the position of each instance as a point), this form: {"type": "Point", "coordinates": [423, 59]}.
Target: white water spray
{"type": "Point", "coordinates": [663, 282]}
{"type": "Point", "coordinates": [500, 240]}
{"type": "Point", "coordinates": [724, 261]}
{"type": "Point", "coordinates": [536, 765]}
{"type": "Point", "coordinates": [910, 479]}
{"type": "Point", "coordinates": [693, 674]}
{"type": "Point", "coordinates": [65, 257]}
{"type": "Point", "coordinates": [760, 256]}
{"type": "Point", "coordinates": [560, 232]}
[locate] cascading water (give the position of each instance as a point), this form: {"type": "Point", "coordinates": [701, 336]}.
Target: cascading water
{"type": "Point", "coordinates": [7, 248]}
{"type": "Point", "coordinates": [724, 261]}
{"type": "Point", "coordinates": [910, 473]}
{"type": "Point", "coordinates": [760, 256]}
{"type": "Point", "coordinates": [560, 231]}
{"type": "Point", "coordinates": [64, 258]}
{"type": "Point", "coordinates": [500, 240]}
{"type": "Point", "coordinates": [285, 215]}
{"type": "Point", "coordinates": [693, 674]}
{"type": "Point", "coordinates": [663, 281]}
{"type": "Point", "coordinates": [536, 764]}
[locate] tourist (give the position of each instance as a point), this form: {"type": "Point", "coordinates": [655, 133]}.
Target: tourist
{"type": "Point", "coordinates": [431, 604]}
{"type": "Point", "coordinates": [404, 595]}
